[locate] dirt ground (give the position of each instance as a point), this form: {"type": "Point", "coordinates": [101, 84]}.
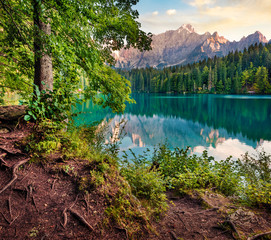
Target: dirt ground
{"type": "Point", "coordinates": [38, 203]}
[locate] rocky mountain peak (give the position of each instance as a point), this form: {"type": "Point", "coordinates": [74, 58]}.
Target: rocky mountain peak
{"type": "Point", "coordinates": [256, 37]}
{"type": "Point", "coordinates": [217, 38]}
{"type": "Point", "coordinates": [182, 46]}
{"type": "Point", "coordinates": [188, 27]}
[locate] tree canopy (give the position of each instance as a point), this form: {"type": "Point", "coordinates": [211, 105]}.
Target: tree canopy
{"type": "Point", "coordinates": [77, 37]}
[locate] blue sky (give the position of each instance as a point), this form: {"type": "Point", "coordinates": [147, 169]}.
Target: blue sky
{"type": "Point", "coordinates": [232, 19]}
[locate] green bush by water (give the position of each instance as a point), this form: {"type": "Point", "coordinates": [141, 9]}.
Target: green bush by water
{"type": "Point", "coordinates": [248, 179]}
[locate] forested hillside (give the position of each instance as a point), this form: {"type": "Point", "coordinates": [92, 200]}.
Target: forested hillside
{"type": "Point", "coordinates": [236, 73]}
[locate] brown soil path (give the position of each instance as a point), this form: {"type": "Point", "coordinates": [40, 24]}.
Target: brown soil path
{"type": "Point", "coordinates": [188, 219]}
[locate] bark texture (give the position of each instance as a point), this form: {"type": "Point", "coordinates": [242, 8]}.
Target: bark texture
{"type": "Point", "coordinates": [43, 61]}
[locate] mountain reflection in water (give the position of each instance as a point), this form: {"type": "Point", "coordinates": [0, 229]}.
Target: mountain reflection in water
{"type": "Point", "coordinates": [222, 124]}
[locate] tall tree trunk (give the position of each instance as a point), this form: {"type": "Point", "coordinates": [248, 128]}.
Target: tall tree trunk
{"type": "Point", "coordinates": [43, 77]}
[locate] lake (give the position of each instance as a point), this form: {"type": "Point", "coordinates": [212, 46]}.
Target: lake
{"type": "Point", "coordinates": [223, 125]}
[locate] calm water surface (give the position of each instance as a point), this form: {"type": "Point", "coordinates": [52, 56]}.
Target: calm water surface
{"type": "Point", "coordinates": [222, 124]}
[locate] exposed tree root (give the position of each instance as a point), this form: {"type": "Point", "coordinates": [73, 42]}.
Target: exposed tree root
{"type": "Point", "coordinates": [123, 229]}
{"type": "Point", "coordinates": [173, 235]}
{"type": "Point", "coordinates": [7, 127]}
{"type": "Point", "coordinates": [259, 235]}
{"type": "Point", "coordinates": [9, 206]}
{"type": "Point", "coordinates": [53, 184]}
{"type": "Point", "coordinates": [86, 201]}
{"type": "Point", "coordinates": [208, 210]}
{"type": "Point", "coordinates": [11, 151]}
{"type": "Point", "coordinates": [5, 218]}
{"type": "Point", "coordinates": [82, 219]}
{"type": "Point", "coordinates": [14, 174]}
{"type": "Point", "coordinates": [13, 220]}
{"type": "Point", "coordinates": [64, 213]}
{"type": "Point", "coordinates": [34, 203]}
{"type": "Point", "coordinates": [2, 161]}
{"type": "Point", "coordinates": [232, 225]}
{"type": "Point", "coordinates": [182, 222]}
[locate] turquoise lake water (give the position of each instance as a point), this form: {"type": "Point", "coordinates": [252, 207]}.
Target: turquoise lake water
{"type": "Point", "coordinates": [222, 124]}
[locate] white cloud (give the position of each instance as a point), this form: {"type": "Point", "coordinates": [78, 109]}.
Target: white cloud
{"type": "Point", "coordinates": [232, 147]}
{"type": "Point", "coordinates": [201, 3]}
{"type": "Point", "coordinates": [155, 13]}
{"type": "Point", "coordinates": [232, 19]}
{"type": "Point", "coordinates": [171, 12]}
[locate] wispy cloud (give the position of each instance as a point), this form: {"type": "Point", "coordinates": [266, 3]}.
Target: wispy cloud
{"type": "Point", "coordinates": [231, 18]}
{"type": "Point", "coordinates": [155, 13]}
{"type": "Point", "coordinates": [200, 3]}
{"type": "Point", "coordinates": [171, 12]}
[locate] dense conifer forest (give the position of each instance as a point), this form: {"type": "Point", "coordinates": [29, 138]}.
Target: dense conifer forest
{"type": "Point", "coordinates": [237, 73]}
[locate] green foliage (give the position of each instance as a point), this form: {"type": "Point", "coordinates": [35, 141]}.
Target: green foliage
{"type": "Point", "coordinates": [147, 185]}
{"type": "Point", "coordinates": [80, 48]}
{"type": "Point", "coordinates": [185, 172]}
{"type": "Point", "coordinates": [256, 172]}
{"type": "Point", "coordinates": [126, 211]}
{"type": "Point", "coordinates": [258, 194]}
{"type": "Point", "coordinates": [51, 105]}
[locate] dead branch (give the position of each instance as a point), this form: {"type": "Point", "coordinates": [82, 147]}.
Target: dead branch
{"type": "Point", "coordinates": [14, 174]}
{"type": "Point", "coordinates": [259, 235]}
{"type": "Point", "coordinates": [82, 219]}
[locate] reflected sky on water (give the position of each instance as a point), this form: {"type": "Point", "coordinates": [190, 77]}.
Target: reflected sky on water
{"type": "Point", "coordinates": [222, 124]}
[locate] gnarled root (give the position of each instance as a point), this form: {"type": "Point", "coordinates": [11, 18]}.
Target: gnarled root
{"type": "Point", "coordinates": [14, 174]}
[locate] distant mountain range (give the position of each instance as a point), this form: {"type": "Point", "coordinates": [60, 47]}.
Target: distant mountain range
{"type": "Point", "coordinates": [183, 46]}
